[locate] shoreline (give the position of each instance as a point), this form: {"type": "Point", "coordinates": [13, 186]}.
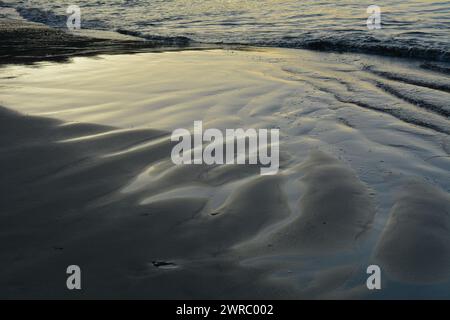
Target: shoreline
{"type": "Point", "coordinates": [23, 42]}
{"type": "Point", "coordinates": [26, 42]}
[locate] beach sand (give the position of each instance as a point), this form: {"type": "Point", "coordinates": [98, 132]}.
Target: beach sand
{"type": "Point", "coordinates": [88, 180]}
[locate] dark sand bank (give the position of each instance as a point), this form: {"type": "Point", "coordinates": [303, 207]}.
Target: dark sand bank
{"type": "Point", "coordinates": [23, 42]}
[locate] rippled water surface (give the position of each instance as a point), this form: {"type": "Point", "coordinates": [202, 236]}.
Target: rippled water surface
{"type": "Point", "coordinates": [418, 28]}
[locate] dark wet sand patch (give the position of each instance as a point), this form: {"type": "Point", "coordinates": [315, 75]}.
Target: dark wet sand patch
{"type": "Point", "coordinates": [415, 245]}
{"type": "Point", "coordinates": [336, 209]}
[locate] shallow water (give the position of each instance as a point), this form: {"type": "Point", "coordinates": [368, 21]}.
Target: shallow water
{"type": "Point", "coordinates": [409, 28]}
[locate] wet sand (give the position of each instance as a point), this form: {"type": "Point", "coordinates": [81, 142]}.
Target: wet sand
{"type": "Point", "coordinates": [85, 148]}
